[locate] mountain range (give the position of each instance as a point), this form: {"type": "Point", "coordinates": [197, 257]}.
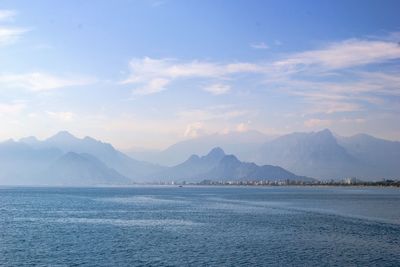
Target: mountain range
{"type": "Point", "coordinates": [216, 165]}
{"type": "Point", "coordinates": [241, 144]}
{"type": "Point", "coordinates": [64, 159]}
{"type": "Point", "coordinates": [321, 154]}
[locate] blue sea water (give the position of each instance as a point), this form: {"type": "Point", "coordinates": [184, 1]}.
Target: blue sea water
{"type": "Point", "coordinates": [200, 226]}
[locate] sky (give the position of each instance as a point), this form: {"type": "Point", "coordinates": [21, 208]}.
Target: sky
{"type": "Point", "coordinates": [149, 73]}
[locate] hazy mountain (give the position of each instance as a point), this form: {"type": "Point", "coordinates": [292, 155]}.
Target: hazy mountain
{"type": "Point", "coordinates": [314, 154]}
{"type": "Point", "coordinates": [22, 164]}
{"type": "Point", "coordinates": [230, 168]}
{"type": "Point", "coordinates": [81, 169]}
{"type": "Point", "coordinates": [216, 165]}
{"type": "Point", "coordinates": [380, 158]}
{"type": "Point", "coordinates": [192, 167]}
{"type": "Point", "coordinates": [105, 152]}
{"type": "Point", "coordinates": [322, 155]}
{"type": "Point", "coordinates": [242, 144]}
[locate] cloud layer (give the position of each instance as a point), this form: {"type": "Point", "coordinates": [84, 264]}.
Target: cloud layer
{"type": "Point", "coordinates": [38, 81]}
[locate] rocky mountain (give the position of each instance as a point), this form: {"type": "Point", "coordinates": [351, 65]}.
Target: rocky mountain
{"type": "Point", "coordinates": [22, 164]}
{"type": "Point", "coordinates": [192, 167]}
{"type": "Point", "coordinates": [326, 156]}
{"type": "Point", "coordinates": [323, 155]}
{"type": "Point", "coordinates": [64, 159]}
{"type": "Point", "coordinates": [379, 158]}
{"type": "Point", "coordinates": [237, 143]}
{"type": "Point", "coordinates": [80, 170]}
{"type": "Point", "coordinates": [216, 165]}
{"type": "Point", "coordinates": [105, 152]}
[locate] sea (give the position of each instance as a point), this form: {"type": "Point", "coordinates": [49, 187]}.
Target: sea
{"type": "Point", "coordinates": [200, 226]}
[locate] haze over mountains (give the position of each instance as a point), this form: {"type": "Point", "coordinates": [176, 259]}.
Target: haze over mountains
{"type": "Point", "coordinates": [316, 154]}
{"type": "Point", "coordinates": [237, 143]}
{"type": "Point", "coordinates": [64, 159]}
{"type": "Point", "coordinates": [216, 165]}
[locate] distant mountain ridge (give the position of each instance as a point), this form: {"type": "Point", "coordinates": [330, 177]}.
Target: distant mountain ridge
{"type": "Point", "coordinates": [216, 165]}
{"type": "Point", "coordinates": [64, 159]}
{"type": "Point", "coordinates": [237, 143]}
{"type": "Point", "coordinates": [105, 152]}
{"type": "Point", "coordinates": [320, 154]}
{"type": "Point", "coordinates": [81, 169]}
{"type": "Point", "coordinates": [326, 156]}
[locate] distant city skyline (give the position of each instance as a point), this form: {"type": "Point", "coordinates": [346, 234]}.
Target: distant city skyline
{"type": "Point", "coordinates": [152, 73]}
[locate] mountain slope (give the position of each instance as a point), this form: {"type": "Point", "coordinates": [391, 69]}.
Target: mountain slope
{"type": "Point", "coordinates": [216, 165]}
{"type": "Point", "coordinates": [22, 164]}
{"type": "Point", "coordinates": [80, 169]}
{"type": "Point", "coordinates": [242, 144]}
{"type": "Point", "coordinates": [105, 152]}
{"type": "Point", "coordinates": [380, 158]}
{"type": "Point", "coordinates": [230, 168]}
{"type": "Point", "coordinates": [315, 154]}
{"type": "Point", "coordinates": [192, 166]}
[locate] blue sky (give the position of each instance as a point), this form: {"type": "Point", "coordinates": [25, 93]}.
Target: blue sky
{"type": "Point", "coordinates": [151, 73]}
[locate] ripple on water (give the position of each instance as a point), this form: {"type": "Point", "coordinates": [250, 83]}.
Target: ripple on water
{"type": "Point", "coordinates": [144, 200]}
{"type": "Point", "coordinates": [115, 222]}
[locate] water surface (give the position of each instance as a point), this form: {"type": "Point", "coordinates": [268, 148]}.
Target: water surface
{"type": "Point", "coordinates": [207, 226]}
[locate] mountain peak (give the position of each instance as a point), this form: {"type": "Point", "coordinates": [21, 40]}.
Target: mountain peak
{"type": "Point", "coordinates": [215, 154]}
{"type": "Point", "coordinates": [29, 140]}
{"type": "Point", "coordinates": [193, 158]}
{"type": "Point", "coordinates": [64, 133]}
{"type": "Point", "coordinates": [63, 136]}
{"type": "Point", "coordinates": [325, 132]}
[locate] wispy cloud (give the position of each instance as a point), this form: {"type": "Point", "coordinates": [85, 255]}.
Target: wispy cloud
{"type": "Point", "coordinates": [7, 109]}
{"type": "Point", "coordinates": [341, 55]}
{"type": "Point", "coordinates": [260, 45]}
{"type": "Point", "coordinates": [9, 34]}
{"type": "Point", "coordinates": [218, 112]}
{"type": "Point", "coordinates": [194, 130]}
{"type": "Point", "coordinates": [37, 81]}
{"type": "Point", "coordinates": [335, 78]}
{"type": "Point", "coordinates": [312, 123]}
{"type": "Point", "coordinates": [64, 116]}
{"type": "Point", "coordinates": [153, 75]}
{"type": "Point", "coordinates": [7, 15]}
{"type": "Point", "coordinates": [155, 85]}
{"type": "Point", "coordinates": [218, 89]}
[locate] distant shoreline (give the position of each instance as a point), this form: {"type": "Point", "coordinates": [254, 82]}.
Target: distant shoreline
{"type": "Point", "coordinates": [197, 185]}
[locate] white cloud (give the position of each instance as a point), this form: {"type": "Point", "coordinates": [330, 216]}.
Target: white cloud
{"type": "Point", "coordinates": [328, 80]}
{"type": "Point", "coordinates": [9, 35]}
{"type": "Point", "coordinates": [62, 116]}
{"type": "Point", "coordinates": [313, 123]}
{"type": "Point", "coordinates": [152, 75]}
{"type": "Point", "coordinates": [153, 86]}
{"type": "Point", "coordinates": [6, 15]}
{"type": "Point", "coordinates": [11, 109]}
{"type": "Point", "coordinates": [218, 89]}
{"type": "Point", "coordinates": [261, 45]}
{"type": "Point", "coordinates": [242, 127]}
{"type": "Point", "coordinates": [341, 55]}
{"type": "Point", "coordinates": [37, 81]}
{"type": "Point", "coordinates": [194, 130]}
{"type": "Point", "coordinates": [221, 112]}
